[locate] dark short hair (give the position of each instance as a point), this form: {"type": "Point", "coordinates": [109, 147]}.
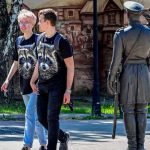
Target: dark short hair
{"type": "Point", "coordinates": [49, 14]}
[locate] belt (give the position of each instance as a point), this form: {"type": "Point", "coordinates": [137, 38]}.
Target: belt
{"type": "Point", "coordinates": [140, 61]}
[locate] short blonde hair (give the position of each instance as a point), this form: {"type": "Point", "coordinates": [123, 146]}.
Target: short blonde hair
{"type": "Point", "coordinates": [26, 14]}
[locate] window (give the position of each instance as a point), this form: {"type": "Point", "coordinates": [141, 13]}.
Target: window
{"type": "Point", "coordinates": [71, 13]}
{"type": "Point", "coordinates": [72, 28]}
{"type": "Point", "coordinates": [111, 18]}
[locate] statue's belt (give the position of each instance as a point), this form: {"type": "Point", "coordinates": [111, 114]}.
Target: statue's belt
{"type": "Point", "coordinates": [136, 61]}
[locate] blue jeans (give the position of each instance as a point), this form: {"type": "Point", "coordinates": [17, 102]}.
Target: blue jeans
{"type": "Point", "coordinates": [32, 124]}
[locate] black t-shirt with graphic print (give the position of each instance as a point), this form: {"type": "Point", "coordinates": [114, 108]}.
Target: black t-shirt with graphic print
{"type": "Point", "coordinates": [52, 69]}
{"type": "Point", "coordinates": [24, 53]}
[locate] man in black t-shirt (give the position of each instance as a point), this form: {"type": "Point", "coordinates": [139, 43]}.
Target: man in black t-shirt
{"type": "Point", "coordinates": [24, 61]}
{"type": "Point", "coordinates": [55, 71]}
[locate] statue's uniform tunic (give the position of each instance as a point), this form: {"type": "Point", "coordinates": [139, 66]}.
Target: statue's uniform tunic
{"type": "Point", "coordinates": [135, 76]}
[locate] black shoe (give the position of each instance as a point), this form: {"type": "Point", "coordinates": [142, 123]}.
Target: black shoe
{"type": "Point", "coordinates": [64, 145]}
{"type": "Point", "coordinates": [25, 148]}
{"type": "Point", "coordinates": [42, 148]}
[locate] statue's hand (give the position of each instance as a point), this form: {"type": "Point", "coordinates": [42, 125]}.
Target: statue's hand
{"type": "Point", "coordinates": [110, 85]}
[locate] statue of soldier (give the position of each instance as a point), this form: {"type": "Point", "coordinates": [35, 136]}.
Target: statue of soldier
{"type": "Point", "coordinates": [131, 48]}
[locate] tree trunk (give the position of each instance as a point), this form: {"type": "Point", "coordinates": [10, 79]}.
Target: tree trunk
{"type": "Point", "coordinates": [13, 30]}
{"type": "Point", "coordinates": [4, 20]}
{"type": "Point", "coordinates": [12, 33]}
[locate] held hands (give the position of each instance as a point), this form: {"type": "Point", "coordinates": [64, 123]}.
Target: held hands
{"type": "Point", "coordinates": [4, 87]}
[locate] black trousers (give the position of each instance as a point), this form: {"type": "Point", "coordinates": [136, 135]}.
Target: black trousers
{"type": "Point", "coordinates": [48, 110]}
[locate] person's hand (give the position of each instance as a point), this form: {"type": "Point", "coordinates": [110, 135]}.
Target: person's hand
{"type": "Point", "coordinates": [110, 85]}
{"type": "Point", "coordinates": [34, 87]}
{"type": "Point", "coordinates": [66, 99]}
{"type": "Point", "coordinates": [4, 87]}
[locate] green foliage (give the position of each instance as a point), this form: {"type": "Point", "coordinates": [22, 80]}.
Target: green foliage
{"type": "Point", "coordinates": [16, 107]}
{"type": "Point", "coordinates": [80, 107]}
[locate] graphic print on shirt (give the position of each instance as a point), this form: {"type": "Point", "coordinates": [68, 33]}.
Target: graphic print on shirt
{"type": "Point", "coordinates": [48, 65]}
{"type": "Point", "coordinates": [26, 60]}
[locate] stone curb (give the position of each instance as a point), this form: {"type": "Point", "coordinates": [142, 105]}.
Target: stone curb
{"type": "Point", "coordinates": [62, 116]}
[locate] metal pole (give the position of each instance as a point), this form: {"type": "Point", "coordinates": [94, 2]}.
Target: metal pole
{"type": "Point", "coordinates": [96, 109]}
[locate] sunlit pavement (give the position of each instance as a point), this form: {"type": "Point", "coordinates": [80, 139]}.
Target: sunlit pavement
{"type": "Point", "coordinates": [85, 135]}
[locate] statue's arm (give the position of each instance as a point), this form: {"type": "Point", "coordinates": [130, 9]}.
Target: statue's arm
{"type": "Point", "coordinates": [117, 55]}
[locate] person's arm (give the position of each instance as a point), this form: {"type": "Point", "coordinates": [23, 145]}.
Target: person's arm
{"type": "Point", "coordinates": [70, 75]}
{"type": "Point", "coordinates": [34, 79]}
{"type": "Point", "coordinates": [66, 53]}
{"type": "Point", "coordinates": [70, 71]}
{"type": "Point", "coordinates": [11, 73]}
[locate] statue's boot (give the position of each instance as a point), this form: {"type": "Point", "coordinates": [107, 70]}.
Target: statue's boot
{"type": "Point", "coordinates": [141, 115]}
{"type": "Point", "coordinates": [130, 126]}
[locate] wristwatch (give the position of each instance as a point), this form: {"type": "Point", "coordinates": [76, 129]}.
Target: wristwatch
{"type": "Point", "coordinates": [68, 91]}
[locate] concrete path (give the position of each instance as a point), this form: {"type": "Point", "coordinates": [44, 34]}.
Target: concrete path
{"type": "Point", "coordinates": [85, 135]}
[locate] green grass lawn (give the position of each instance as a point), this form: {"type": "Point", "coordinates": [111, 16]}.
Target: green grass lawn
{"type": "Point", "coordinates": [79, 107]}
{"type": "Point", "coordinates": [17, 107]}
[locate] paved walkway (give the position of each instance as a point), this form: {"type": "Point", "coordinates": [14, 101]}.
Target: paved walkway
{"type": "Point", "coordinates": [85, 135]}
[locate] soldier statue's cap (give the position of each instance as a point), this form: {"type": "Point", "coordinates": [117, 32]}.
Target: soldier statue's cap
{"type": "Point", "coordinates": [133, 7]}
